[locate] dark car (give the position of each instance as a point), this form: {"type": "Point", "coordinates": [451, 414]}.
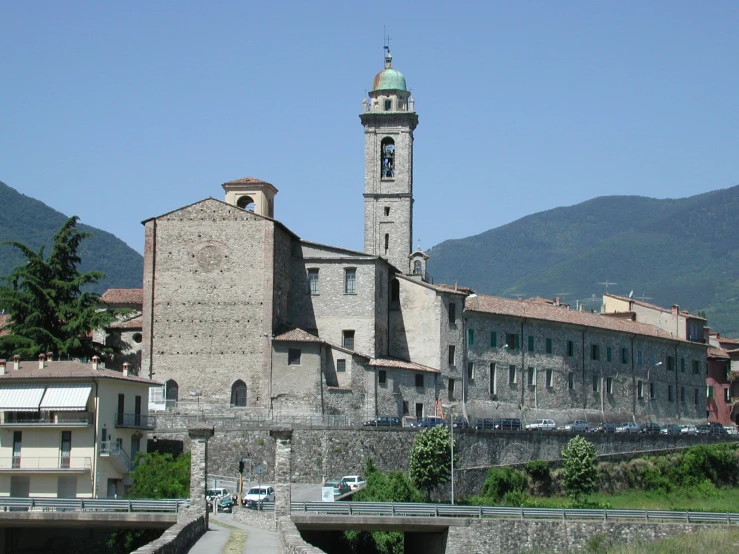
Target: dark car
{"type": "Point", "coordinates": [383, 421]}
{"type": "Point", "coordinates": [508, 424]}
{"type": "Point", "coordinates": [461, 423]}
{"type": "Point", "coordinates": [226, 505]}
{"type": "Point", "coordinates": [605, 427]}
{"type": "Point", "coordinates": [484, 424]}
{"type": "Point", "coordinates": [340, 486]}
{"type": "Point", "coordinates": [650, 429]}
{"type": "Point", "coordinates": [703, 429]}
{"type": "Point", "coordinates": [717, 429]}
{"type": "Point", "coordinates": [671, 429]}
{"type": "Point", "coordinates": [426, 422]}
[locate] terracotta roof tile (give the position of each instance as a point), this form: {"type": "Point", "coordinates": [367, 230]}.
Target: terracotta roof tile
{"type": "Point", "coordinates": [297, 335]}
{"type": "Point", "coordinates": [717, 353]}
{"type": "Point", "coordinates": [443, 287]}
{"type": "Point", "coordinates": [400, 364]}
{"type": "Point", "coordinates": [133, 323]}
{"type": "Point", "coordinates": [123, 296]}
{"type": "Point", "coordinates": [66, 370]}
{"type": "Point", "coordinates": [545, 312]}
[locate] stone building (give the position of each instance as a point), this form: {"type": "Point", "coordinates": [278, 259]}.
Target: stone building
{"type": "Point", "coordinates": [240, 313]}
{"type": "Point", "coordinates": [125, 333]}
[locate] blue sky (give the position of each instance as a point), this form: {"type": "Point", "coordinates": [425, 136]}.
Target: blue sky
{"type": "Point", "coordinates": [121, 111]}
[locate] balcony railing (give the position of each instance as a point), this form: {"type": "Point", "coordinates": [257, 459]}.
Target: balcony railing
{"type": "Point", "coordinates": [115, 452]}
{"type": "Point", "coordinates": [40, 464]}
{"type": "Point", "coordinates": [135, 421]}
{"type": "Point", "coordinates": [61, 419]}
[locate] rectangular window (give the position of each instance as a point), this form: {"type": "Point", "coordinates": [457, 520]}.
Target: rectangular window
{"type": "Point", "coordinates": [350, 281]}
{"type": "Point", "coordinates": [382, 376]}
{"type": "Point", "coordinates": [549, 346]}
{"type": "Point", "coordinates": [595, 352]}
{"type": "Point", "coordinates": [639, 357]}
{"type": "Point", "coordinates": [17, 441]}
{"type": "Point", "coordinates": [419, 379]}
{"type": "Point", "coordinates": [450, 391]}
{"type": "Point", "coordinates": [313, 281]}
{"type": "Point", "coordinates": [511, 374]}
{"type": "Point", "coordinates": [550, 375]}
{"type": "Point", "coordinates": [121, 407]}
{"type": "Point", "coordinates": [470, 371]}
{"type": "Point", "coordinates": [405, 407]}
{"type": "Point", "coordinates": [670, 363]}
{"type": "Point", "coordinates": [696, 367]}
{"type": "Point", "coordinates": [669, 393]}
{"type": "Point", "coordinates": [640, 389]}
{"type": "Point", "coordinates": [682, 365]}
{"type": "Point", "coordinates": [709, 391]}
{"type": "Point", "coordinates": [471, 337]}
{"type": "Point", "coordinates": [493, 385]}
{"type": "Point", "coordinates": [570, 348]}
{"type": "Point", "coordinates": [532, 376]}
{"type": "Point", "coordinates": [419, 410]}
{"type": "Point", "coordinates": [727, 395]}
{"type": "Point", "coordinates": [596, 382]}
{"type": "Point", "coordinates": [609, 385]}
{"type": "Point", "coordinates": [347, 339]}
{"type": "Point", "coordinates": [493, 339]}
{"type": "Point", "coordinates": [531, 343]}
{"type": "Point", "coordinates": [452, 352]}
{"type": "Point", "coordinates": [341, 365]}
{"type": "Point", "coordinates": [452, 314]}
{"type": "Point", "coordinates": [696, 397]}
{"type": "Point", "coordinates": [651, 391]}
{"type": "Point", "coordinates": [511, 340]}
{"type": "Point", "coordinates": [609, 356]}
{"type": "Point", "coordinates": [571, 380]}
{"type": "Point", "coordinates": [624, 355]}
{"type": "Point", "coordinates": [682, 395]}
{"type": "Point", "coordinates": [293, 356]}
{"type": "Point", "coordinates": [66, 449]}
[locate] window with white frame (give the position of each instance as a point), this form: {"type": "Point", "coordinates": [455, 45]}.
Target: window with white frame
{"type": "Point", "coordinates": [313, 281]}
{"type": "Point", "coordinates": [493, 385]}
{"type": "Point", "coordinates": [609, 385]}
{"type": "Point", "coordinates": [532, 376]}
{"type": "Point", "coordinates": [350, 280]}
{"type": "Point", "coordinates": [550, 377]}
{"type": "Point", "coordinates": [511, 374]}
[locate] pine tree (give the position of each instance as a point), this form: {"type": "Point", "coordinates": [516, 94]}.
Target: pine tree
{"type": "Point", "coordinates": [48, 307]}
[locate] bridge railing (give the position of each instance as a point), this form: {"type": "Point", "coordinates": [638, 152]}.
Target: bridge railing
{"type": "Point", "coordinates": [8, 503]}
{"type": "Point", "coordinates": [447, 510]}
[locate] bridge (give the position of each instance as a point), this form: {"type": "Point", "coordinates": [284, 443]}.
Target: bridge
{"type": "Point", "coordinates": [89, 512]}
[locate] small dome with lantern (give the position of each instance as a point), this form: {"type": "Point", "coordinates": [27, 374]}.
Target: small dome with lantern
{"type": "Point", "coordinates": [389, 78]}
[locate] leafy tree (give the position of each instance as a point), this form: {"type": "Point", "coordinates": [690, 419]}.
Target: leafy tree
{"type": "Point", "coordinates": [580, 475]}
{"type": "Point", "coordinates": [158, 475]}
{"type": "Point", "coordinates": [430, 463]}
{"type": "Point", "coordinates": [49, 308]}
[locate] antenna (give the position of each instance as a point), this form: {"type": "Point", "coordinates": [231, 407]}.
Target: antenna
{"type": "Point", "coordinates": [606, 283]}
{"type": "Point", "coordinates": [631, 294]}
{"type": "Point", "coordinates": [644, 297]}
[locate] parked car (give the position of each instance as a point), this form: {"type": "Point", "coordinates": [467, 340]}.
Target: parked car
{"type": "Point", "coordinates": [542, 425]}
{"type": "Point", "coordinates": [671, 429]}
{"type": "Point", "coordinates": [383, 421]}
{"type": "Point", "coordinates": [226, 504]}
{"type": "Point", "coordinates": [485, 424]}
{"type": "Point", "coordinates": [340, 486]}
{"type": "Point", "coordinates": [605, 427]}
{"type": "Point", "coordinates": [426, 422]}
{"type": "Point", "coordinates": [461, 423]}
{"type": "Point", "coordinates": [355, 482]}
{"type": "Point", "coordinates": [261, 493]}
{"type": "Point", "coordinates": [731, 430]}
{"type": "Point", "coordinates": [703, 429]}
{"type": "Point", "coordinates": [688, 430]}
{"type": "Point", "coordinates": [650, 428]}
{"type": "Point", "coordinates": [627, 427]}
{"type": "Point", "coordinates": [717, 429]}
{"type": "Point", "coordinates": [508, 424]}
{"type": "Point", "coordinates": [216, 494]}
{"type": "Point", "coordinates": [578, 426]}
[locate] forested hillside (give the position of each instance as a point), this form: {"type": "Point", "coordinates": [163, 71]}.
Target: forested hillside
{"type": "Point", "coordinates": [24, 219]}
{"type": "Point", "coordinates": [681, 252]}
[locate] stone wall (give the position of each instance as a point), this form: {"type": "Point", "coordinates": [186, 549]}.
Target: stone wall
{"type": "Point", "coordinates": [507, 536]}
{"type": "Point", "coordinates": [255, 518]}
{"type": "Point", "coordinates": [290, 540]}
{"type": "Point", "coordinates": [178, 538]}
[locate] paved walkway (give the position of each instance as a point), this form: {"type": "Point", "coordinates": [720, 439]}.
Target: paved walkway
{"type": "Point", "coordinates": [258, 541]}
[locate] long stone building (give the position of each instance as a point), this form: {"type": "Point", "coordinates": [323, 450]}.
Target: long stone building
{"type": "Point", "coordinates": [241, 313]}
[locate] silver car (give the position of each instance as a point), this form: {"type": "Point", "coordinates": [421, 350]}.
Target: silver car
{"type": "Point", "coordinates": [627, 427]}
{"type": "Point", "coordinates": [542, 425]}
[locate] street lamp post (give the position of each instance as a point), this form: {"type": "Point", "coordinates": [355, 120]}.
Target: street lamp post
{"type": "Point", "coordinates": [451, 441]}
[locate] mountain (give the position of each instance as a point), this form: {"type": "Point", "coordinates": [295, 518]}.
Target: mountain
{"type": "Point", "coordinates": [33, 223]}
{"type": "Point", "coordinates": [683, 251]}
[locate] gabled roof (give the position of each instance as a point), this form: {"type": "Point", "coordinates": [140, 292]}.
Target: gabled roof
{"type": "Point", "coordinates": [62, 370]}
{"type": "Point", "coordinates": [352, 253]}
{"type": "Point", "coordinates": [546, 312]}
{"type": "Point", "coordinates": [123, 296]}
{"type": "Point", "coordinates": [683, 313]}
{"type": "Point", "coordinates": [296, 335]}
{"type": "Point", "coordinates": [396, 363]}
{"type": "Point", "coordinates": [718, 353]}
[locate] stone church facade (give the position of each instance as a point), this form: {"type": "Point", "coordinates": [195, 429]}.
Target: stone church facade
{"type": "Point", "coordinates": [241, 313]}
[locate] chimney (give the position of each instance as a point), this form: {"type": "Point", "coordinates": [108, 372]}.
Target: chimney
{"type": "Point", "coordinates": [556, 301]}
{"type": "Point", "coordinates": [126, 365]}
{"type": "Point", "coordinates": [95, 361]}
{"type": "Point", "coordinates": [16, 362]}
{"type": "Point", "coordinates": [49, 356]}
{"type": "Point", "coordinates": [2, 367]}
{"type": "Point", "coordinates": [41, 359]}
{"type": "Point", "coordinates": [675, 309]}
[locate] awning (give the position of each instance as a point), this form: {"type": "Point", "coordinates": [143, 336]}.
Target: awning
{"type": "Point", "coordinates": [69, 397]}
{"type": "Point", "coordinates": [20, 398]}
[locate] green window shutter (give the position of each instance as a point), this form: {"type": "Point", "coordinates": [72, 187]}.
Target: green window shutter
{"type": "Point", "coordinates": [682, 365]}
{"type": "Point", "coordinates": [531, 343]}
{"type": "Point", "coordinates": [471, 337]}
{"type": "Point", "coordinates": [493, 339]}
{"type": "Point", "coordinates": [609, 354]}
{"type": "Point", "coordinates": [549, 346]}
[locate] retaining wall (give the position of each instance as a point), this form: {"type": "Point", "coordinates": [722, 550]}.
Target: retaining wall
{"type": "Point", "coordinates": [180, 537]}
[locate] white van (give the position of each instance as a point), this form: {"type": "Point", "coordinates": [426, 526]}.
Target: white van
{"type": "Point", "coordinates": [213, 494]}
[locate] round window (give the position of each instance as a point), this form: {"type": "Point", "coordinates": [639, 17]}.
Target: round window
{"type": "Point", "coordinates": [137, 338]}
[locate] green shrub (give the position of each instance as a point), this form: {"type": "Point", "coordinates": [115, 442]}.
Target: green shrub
{"type": "Point", "coordinates": [501, 481]}
{"type": "Point", "coordinates": [539, 471]}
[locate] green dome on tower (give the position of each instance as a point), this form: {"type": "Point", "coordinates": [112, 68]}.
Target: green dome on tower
{"type": "Point", "coordinates": [389, 78]}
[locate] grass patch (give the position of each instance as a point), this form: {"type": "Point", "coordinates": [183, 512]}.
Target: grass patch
{"type": "Point", "coordinates": [715, 540]}
{"type": "Point", "coordinates": [236, 540]}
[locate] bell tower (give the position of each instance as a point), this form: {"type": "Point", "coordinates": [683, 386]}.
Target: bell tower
{"type": "Point", "coordinates": [389, 119]}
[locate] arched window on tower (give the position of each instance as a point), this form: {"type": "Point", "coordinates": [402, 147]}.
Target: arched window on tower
{"type": "Point", "coordinates": [245, 203]}
{"type": "Point", "coordinates": [387, 242]}
{"type": "Point", "coordinates": [238, 394]}
{"type": "Point", "coordinates": [387, 163]}
{"type": "Point", "coordinates": [172, 393]}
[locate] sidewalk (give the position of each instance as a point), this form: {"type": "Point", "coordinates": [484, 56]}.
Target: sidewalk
{"type": "Point", "coordinates": [258, 541]}
{"type": "Point", "coordinates": [213, 541]}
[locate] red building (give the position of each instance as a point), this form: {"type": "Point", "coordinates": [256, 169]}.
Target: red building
{"type": "Point", "coordinates": [722, 385]}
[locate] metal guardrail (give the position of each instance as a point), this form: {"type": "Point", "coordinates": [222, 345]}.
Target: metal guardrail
{"type": "Point", "coordinates": [135, 421]}
{"type": "Point", "coordinates": [8, 503]}
{"type": "Point", "coordinates": [60, 419]}
{"type": "Point", "coordinates": [447, 510]}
